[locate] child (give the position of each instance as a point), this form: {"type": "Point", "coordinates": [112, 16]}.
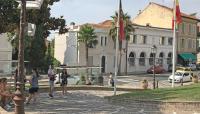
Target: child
{"type": "Point", "coordinates": [34, 86]}
{"type": "Point", "coordinates": [111, 80]}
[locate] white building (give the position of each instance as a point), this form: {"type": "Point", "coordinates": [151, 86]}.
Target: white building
{"type": "Point", "coordinates": [5, 54]}
{"type": "Point", "coordinates": [103, 54]}
{"type": "Point", "coordinates": [139, 48]}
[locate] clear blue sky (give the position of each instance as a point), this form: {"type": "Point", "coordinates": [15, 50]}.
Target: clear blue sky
{"type": "Point", "coordinates": [95, 11]}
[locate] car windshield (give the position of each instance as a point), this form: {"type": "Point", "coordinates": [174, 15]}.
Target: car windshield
{"type": "Point", "coordinates": [178, 73]}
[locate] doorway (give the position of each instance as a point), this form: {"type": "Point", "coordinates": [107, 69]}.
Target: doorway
{"type": "Point", "coordinates": [103, 64]}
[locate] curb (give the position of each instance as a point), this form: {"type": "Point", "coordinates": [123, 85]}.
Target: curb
{"type": "Point", "coordinates": [85, 87]}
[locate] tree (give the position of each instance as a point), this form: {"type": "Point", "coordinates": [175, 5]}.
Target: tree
{"type": "Point", "coordinates": [34, 46]}
{"type": "Point", "coordinates": [127, 29]}
{"type": "Point", "coordinates": [88, 37]}
{"type": "Point", "coordinates": [9, 16]}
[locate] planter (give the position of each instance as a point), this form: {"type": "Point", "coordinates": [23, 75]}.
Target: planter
{"type": "Point", "coordinates": [144, 84]}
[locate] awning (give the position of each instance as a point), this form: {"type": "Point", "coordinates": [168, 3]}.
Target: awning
{"type": "Point", "coordinates": [188, 57]}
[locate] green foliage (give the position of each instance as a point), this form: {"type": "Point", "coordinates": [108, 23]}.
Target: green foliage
{"type": "Point", "coordinates": [127, 26]}
{"type": "Point", "coordinates": [35, 47]}
{"type": "Point", "coordinates": [184, 93]}
{"type": "Point", "coordinates": [9, 15]}
{"type": "Point", "coordinates": [87, 35]}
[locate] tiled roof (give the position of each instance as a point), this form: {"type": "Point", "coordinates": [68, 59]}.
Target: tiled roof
{"type": "Point", "coordinates": [182, 14]}
{"type": "Point", "coordinates": [105, 24]}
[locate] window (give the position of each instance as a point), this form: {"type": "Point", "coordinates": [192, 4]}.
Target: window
{"type": "Point", "coordinates": [90, 60]}
{"type": "Point", "coordinates": [182, 43]}
{"type": "Point", "coordinates": [169, 58]}
{"type": "Point", "coordinates": [189, 43]}
{"type": "Point", "coordinates": [170, 41]}
{"type": "Point", "coordinates": [161, 57]}
{"type": "Point", "coordinates": [144, 38]}
{"type": "Point", "coordinates": [190, 28]}
{"type": "Point", "coordinates": [162, 41]}
{"type": "Point", "coordinates": [114, 45]}
{"type": "Point", "coordinates": [101, 40]}
{"type": "Point", "coordinates": [194, 44]}
{"type": "Point", "coordinates": [151, 59]}
{"type": "Point", "coordinates": [114, 61]}
{"type": "Point", "coordinates": [134, 39]}
{"type": "Point", "coordinates": [142, 59]}
{"type": "Point", "coordinates": [183, 28]}
{"type": "Point", "coordinates": [105, 41]}
{"type": "Point", "coordinates": [131, 59]}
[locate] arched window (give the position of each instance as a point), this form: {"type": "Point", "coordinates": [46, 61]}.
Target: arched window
{"type": "Point", "coordinates": [169, 58]}
{"type": "Point", "coordinates": [142, 59]}
{"type": "Point", "coordinates": [131, 59]}
{"type": "Point", "coordinates": [161, 58]}
{"type": "Point", "coordinates": [151, 59]}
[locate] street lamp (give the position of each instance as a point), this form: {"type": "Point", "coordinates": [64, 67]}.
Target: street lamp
{"type": "Point", "coordinates": [154, 50]}
{"type": "Point", "coordinates": [19, 94]}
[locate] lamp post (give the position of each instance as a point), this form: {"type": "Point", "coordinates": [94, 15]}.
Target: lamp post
{"type": "Point", "coordinates": [153, 50]}
{"type": "Point", "coordinates": [19, 94]}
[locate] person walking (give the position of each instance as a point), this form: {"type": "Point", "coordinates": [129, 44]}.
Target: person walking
{"type": "Point", "coordinates": [51, 76]}
{"type": "Point", "coordinates": [33, 91]}
{"type": "Point", "coordinates": [111, 80]}
{"type": "Point", "coordinates": [64, 82]}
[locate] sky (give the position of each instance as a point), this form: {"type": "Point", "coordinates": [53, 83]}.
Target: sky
{"type": "Point", "coordinates": [95, 11]}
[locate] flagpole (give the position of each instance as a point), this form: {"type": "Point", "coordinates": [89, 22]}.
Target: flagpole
{"type": "Point", "coordinates": [174, 44]}
{"type": "Point", "coordinates": [116, 51]}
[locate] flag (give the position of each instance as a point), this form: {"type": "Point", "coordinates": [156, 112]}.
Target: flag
{"type": "Point", "coordinates": [121, 22]}
{"type": "Point", "coordinates": [178, 14]}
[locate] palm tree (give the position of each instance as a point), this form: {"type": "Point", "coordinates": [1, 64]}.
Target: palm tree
{"type": "Point", "coordinates": [88, 37]}
{"type": "Point", "coordinates": [127, 29]}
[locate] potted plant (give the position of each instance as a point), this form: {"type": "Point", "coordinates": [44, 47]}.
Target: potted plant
{"type": "Point", "coordinates": [144, 84]}
{"type": "Point", "coordinates": [195, 79]}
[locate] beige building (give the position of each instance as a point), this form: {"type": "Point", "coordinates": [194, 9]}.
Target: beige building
{"type": "Point", "coordinates": [5, 54]}
{"type": "Point", "coordinates": [70, 52]}
{"type": "Point", "coordinates": [156, 15]}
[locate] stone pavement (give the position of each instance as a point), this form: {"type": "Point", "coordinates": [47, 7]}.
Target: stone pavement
{"type": "Point", "coordinates": [93, 102]}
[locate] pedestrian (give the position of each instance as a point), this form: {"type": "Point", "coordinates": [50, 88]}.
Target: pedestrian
{"type": "Point", "coordinates": [5, 94]}
{"type": "Point", "coordinates": [51, 76]}
{"type": "Point", "coordinates": [111, 80]}
{"type": "Point", "coordinates": [64, 81]}
{"type": "Point", "coordinates": [33, 90]}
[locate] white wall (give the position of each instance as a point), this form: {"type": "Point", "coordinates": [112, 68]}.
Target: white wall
{"type": "Point", "coordinates": [153, 37]}
{"type": "Point", "coordinates": [5, 54]}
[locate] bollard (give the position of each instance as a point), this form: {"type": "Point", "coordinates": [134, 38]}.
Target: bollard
{"type": "Point", "coordinates": [19, 101]}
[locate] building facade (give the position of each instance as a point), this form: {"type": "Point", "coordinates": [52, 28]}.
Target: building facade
{"type": "Point", "coordinates": [160, 16]}
{"type": "Point", "coordinates": [103, 54]}
{"type": "Point", "coordinates": [5, 55]}
{"type": "Point", "coordinates": [140, 57]}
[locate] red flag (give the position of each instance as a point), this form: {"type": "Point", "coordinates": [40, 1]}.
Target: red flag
{"type": "Point", "coordinates": [121, 22]}
{"type": "Point", "coordinates": [178, 14]}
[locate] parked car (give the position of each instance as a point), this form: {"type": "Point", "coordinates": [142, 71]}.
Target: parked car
{"type": "Point", "coordinates": [72, 80]}
{"type": "Point", "coordinates": [193, 66]}
{"type": "Point", "coordinates": [181, 77]}
{"type": "Point", "coordinates": [158, 69]}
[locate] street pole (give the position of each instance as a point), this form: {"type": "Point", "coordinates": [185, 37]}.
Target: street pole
{"type": "Point", "coordinates": [174, 46]}
{"type": "Point", "coordinates": [117, 48]}
{"type": "Point", "coordinates": [19, 94]}
{"type": "Point", "coordinates": [154, 80]}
